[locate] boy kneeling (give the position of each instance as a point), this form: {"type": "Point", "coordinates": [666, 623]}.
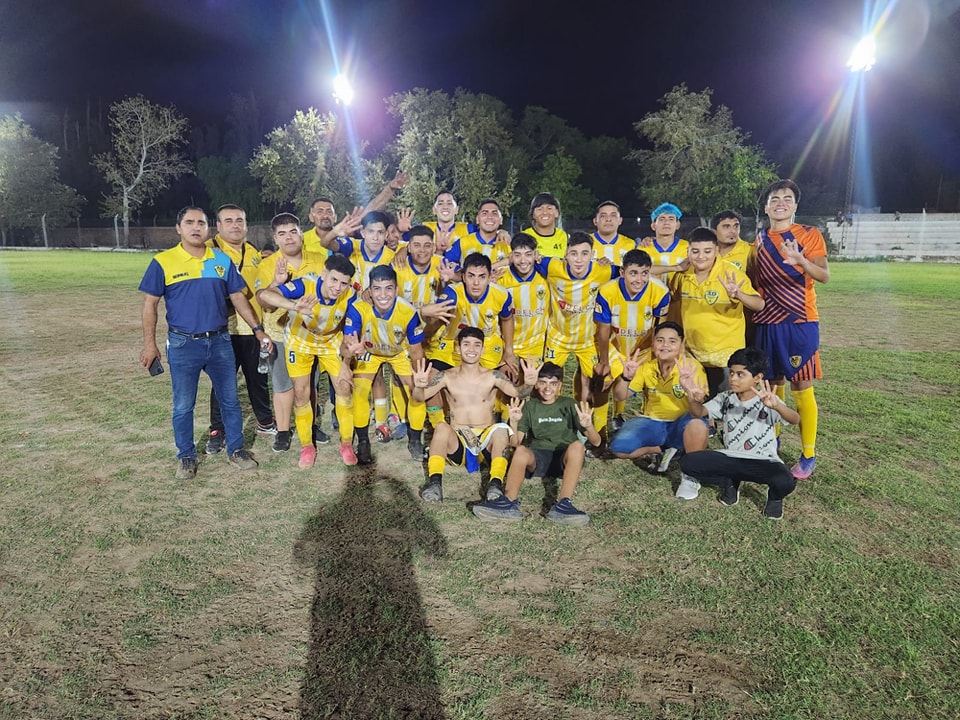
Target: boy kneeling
{"type": "Point", "coordinates": [549, 423]}
{"type": "Point", "coordinates": [748, 414]}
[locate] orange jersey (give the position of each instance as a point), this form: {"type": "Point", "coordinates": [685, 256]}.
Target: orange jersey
{"type": "Point", "coordinates": [788, 293]}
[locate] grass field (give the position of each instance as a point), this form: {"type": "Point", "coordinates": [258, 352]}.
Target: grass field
{"type": "Point", "coordinates": [327, 593]}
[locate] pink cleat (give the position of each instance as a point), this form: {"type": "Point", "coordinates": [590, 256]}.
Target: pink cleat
{"type": "Point", "coordinates": [347, 453]}
{"type": "Point", "coordinates": [308, 456]}
{"type": "Point", "coordinates": [804, 467]}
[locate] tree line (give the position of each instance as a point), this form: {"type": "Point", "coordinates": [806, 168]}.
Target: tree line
{"type": "Point", "coordinates": [146, 157]}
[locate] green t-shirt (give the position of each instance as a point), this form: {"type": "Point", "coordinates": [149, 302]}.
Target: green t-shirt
{"type": "Point", "coordinates": [549, 427]}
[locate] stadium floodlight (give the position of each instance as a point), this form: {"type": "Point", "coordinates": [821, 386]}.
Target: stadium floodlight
{"type": "Point", "coordinates": [864, 55]}
{"type": "Point", "coordinates": [343, 90]}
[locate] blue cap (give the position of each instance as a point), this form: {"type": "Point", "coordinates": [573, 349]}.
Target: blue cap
{"type": "Point", "coordinates": [666, 209]}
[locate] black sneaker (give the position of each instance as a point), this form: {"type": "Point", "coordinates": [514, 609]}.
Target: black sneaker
{"type": "Point", "coordinates": [319, 436]}
{"type": "Point", "coordinates": [186, 468]}
{"type": "Point", "coordinates": [243, 460]}
{"type": "Point", "coordinates": [494, 490]}
{"type": "Point", "coordinates": [363, 452]}
{"type": "Point", "coordinates": [565, 512]}
{"type": "Point", "coordinates": [415, 446]}
{"type": "Point", "coordinates": [432, 493]}
{"type": "Point", "coordinates": [281, 443]}
{"type": "Point", "coordinates": [502, 508]}
{"type": "Point", "coordinates": [269, 429]}
{"type": "Point", "coordinates": [730, 495]}
{"type": "Point", "coordinates": [773, 509]}
{"type": "Point", "coordinates": [616, 423]}
{"type": "Point", "coordinates": [215, 442]}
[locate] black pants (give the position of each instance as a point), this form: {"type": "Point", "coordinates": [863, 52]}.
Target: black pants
{"type": "Point", "coordinates": [710, 467]}
{"type": "Point", "coordinates": [246, 349]}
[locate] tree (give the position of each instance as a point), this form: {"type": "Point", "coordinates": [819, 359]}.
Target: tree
{"type": "Point", "coordinates": [146, 142]}
{"type": "Point", "coordinates": [30, 184]}
{"type": "Point", "coordinates": [462, 143]}
{"type": "Point", "coordinates": [559, 176]}
{"type": "Point", "coordinates": [228, 180]}
{"type": "Point", "coordinates": [309, 156]}
{"type": "Point", "coordinates": [699, 160]}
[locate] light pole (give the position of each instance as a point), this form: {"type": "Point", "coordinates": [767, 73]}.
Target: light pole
{"type": "Point", "coordinates": [861, 60]}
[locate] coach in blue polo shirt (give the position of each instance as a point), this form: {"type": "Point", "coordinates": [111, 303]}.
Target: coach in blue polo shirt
{"type": "Point", "coordinates": [196, 282]}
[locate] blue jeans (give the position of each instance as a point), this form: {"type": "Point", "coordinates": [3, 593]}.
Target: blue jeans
{"type": "Point", "coordinates": [641, 432]}
{"type": "Point", "coordinates": [187, 357]}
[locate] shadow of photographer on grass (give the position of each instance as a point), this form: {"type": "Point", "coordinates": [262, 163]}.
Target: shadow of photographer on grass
{"type": "Point", "coordinates": [369, 654]}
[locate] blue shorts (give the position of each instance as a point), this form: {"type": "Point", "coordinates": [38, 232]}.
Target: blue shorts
{"type": "Point", "coordinates": [793, 350]}
{"type": "Point", "coordinates": [641, 432]}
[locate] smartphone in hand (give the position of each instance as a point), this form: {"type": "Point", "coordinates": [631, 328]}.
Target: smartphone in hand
{"type": "Point", "coordinates": [156, 367]}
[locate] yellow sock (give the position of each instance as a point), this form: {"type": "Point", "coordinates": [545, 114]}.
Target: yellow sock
{"type": "Point", "coordinates": [399, 399]}
{"type": "Point", "coordinates": [303, 418]}
{"type": "Point", "coordinates": [498, 468]}
{"type": "Point", "coordinates": [416, 414]}
{"type": "Point", "coordinates": [781, 391]}
{"type": "Point", "coordinates": [344, 408]}
{"type": "Point", "coordinates": [436, 464]}
{"type": "Point", "coordinates": [380, 410]}
{"type": "Point", "coordinates": [600, 416]}
{"type": "Point", "coordinates": [619, 406]}
{"type": "Point", "coordinates": [806, 403]}
{"type": "Point", "coordinates": [361, 401]}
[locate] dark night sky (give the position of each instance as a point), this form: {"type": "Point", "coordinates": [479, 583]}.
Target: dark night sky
{"type": "Point", "coordinates": [600, 65]}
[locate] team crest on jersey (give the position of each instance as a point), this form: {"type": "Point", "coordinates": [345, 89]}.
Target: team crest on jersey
{"type": "Point", "coordinates": [337, 316]}
{"type": "Point", "coordinates": [678, 391]}
{"type": "Point", "coordinates": [221, 270]}
{"type": "Point", "coordinates": [795, 360]}
{"type": "Point", "coordinates": [647, 313]}
{"type": "Point", "coordinates": [711, 296]}
{"type": "Point", "coordinates": [541, 291]}
{"type": "Point", "coordinates": [398, 334]}
{"type": "Point", "coordinates": [594, 288]}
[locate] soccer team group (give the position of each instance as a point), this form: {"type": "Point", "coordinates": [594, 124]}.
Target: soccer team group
{"type": "Point", "coordinates": [474, 328]}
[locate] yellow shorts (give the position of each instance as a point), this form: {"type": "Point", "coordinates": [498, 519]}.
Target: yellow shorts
{"type": "Point", "coordinates": [587, 358]}
{"type": "Point", "coordinates": [301, 363]}
{"type": "Point", "coordinates": [368, 364]}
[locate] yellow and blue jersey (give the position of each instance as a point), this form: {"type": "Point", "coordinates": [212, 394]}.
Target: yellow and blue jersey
{"type": "Point", "coordinates": [484, 313]}
{"type": "Point", "coordinates": [631, 318]}
{"type": "Point", "coordinates": [672, 254]}
{"type": "Point", "coordinates": [573, 301]}
{"type": "Point", "coordinates": [419, 288]}
{"type": "Point", "coordinates": [355, 250]}
{"type": "Point", "coordinates": [385, 335]}
{"type": "Point", "coordinates": [311, 265]}
{"type": "Point", "coordinates": [474, 243]}
{"type": "Point", "coordinates": [195, 290]}
{"type": "Point", "coordinates": [320, 332]}
{"type": "Point", "coordinates": [531, 309]}
{"type": "Point", "coordinates": [613, 250]}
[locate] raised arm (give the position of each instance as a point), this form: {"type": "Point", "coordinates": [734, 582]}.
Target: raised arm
{"type": "Point", "coordinates": [425, 387]}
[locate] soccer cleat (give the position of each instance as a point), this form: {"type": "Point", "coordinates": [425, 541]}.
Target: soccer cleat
{"type": "Point", "coordinates": [363, 452]}
{"type": "Point", "coordinates": [382, 433]}
{"type": "Point", "coordinates": [773, 509]}
{"type": "Point", "coordinates": [433, 492]}
{"type": "Point", "coordinates": [270, 429]}
{"type": "Point", "coordinates": [215, 442]}
{"type": "Point", "coordinates": [730, 495]}
{"type": "Point", "coordinates": [500, 509]}
{"type": "Point", "coordinates": [494, 490]}
{"type": "Point", "coordinates": [616, 423]}
{"type": "Point", "coordinates": [347, 454]}
{"type": "Point", "coordinates": [186, 468]}
{"type": "Point", "coordinates": [281, 443]}
{"type": "Point", "coordinates": [688, 488]}
{"type": "Point", "coordinates": [565, 512]}
{"type": "Point", "coordinates": [665, 459]}
{"type": "Point", "coordinates": [319, 436]}
{"type": "Point", "coordinates": [804, 467]}
{"type": "Point", "coordinates": [243, 460]}
{"type": "Point", "coordinates": [308, 456]}
{"type": "Point", "coordinates": [415, 447]}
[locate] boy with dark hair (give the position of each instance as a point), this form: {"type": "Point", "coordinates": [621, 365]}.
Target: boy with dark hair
{"type": "Point", "coordinates": [627, 311]}
{"type": "Point", "coordinates": [748, 414]}
{"type": "Point", "coordinates": [545, 431]}
{"type": "Point", "coordinates": [544, 213]}
{"type": "Point", "coordinates": [790, 260]}
{"type": "Point", "coordinates": [726, 225]}
{"type": "Point", "coordinates": [608, 243]}
{"type": "Point", "coordinates": [666, 424]}
{"type": "Point", "coordinates": [710, 296]}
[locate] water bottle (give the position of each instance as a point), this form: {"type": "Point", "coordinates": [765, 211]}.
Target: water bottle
{"type": "Point", "coordinates": [264, 365]}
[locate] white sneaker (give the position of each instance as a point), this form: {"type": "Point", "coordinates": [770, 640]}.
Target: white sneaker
{"type": "Point", "coordinates": [689, 488]}
{"type": "Point", "coordinates": [665, 459]}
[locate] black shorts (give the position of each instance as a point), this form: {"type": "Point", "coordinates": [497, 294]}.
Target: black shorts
{"type": "Point", "coordinates": [549, 463]}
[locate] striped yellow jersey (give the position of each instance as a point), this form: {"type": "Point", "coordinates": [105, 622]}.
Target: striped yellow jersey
{"type": "Point", "coordinates": [388, 335]}
{"type": "Point", "coordinates": [355, 251]}
{"type": "Point", "coordinates": [613, 250]}
{"type": "Point", "coordinates": [485, 313]}
{"type": "Point", "coordinates": [419, 288]}
{"type": "Point", "coordinates": [631, 318]}
{"type": "Point", "coordinates": [531, 308]}
{"type": "Point", "coordinates": [572, 302]}
{"type": "Point", "coordinates": [311, 265]}
{"type": "Point", "coordinates": [320, 332]}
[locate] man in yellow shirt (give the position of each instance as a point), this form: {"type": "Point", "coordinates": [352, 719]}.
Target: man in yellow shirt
{"type": "Point", "coordinates": [666, 424]}
{"type": "Point", "coordinates": [608, 243]}
{"type": "Point", "coordinates": [544, 214]}
{"type": "Point", "coordinates": [231, 238]}
{"type": "Point", "coordinates": [711, 295]}
{"type": "Point", "coordinates": [446, 228]}
{"type": "Point", "coordinates": [530, 296]}
{"type": "Point", "coordinates": [731, 248]}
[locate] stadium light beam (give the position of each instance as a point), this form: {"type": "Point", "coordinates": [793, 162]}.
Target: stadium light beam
{"type": "Point", "coordinates": [343, 90]}
{"type": "Point", "coordinates": [864, 55]}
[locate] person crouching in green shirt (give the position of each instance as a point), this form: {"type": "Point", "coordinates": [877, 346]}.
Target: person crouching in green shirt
{"type": "Point", "coordinates": [545, 431]}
